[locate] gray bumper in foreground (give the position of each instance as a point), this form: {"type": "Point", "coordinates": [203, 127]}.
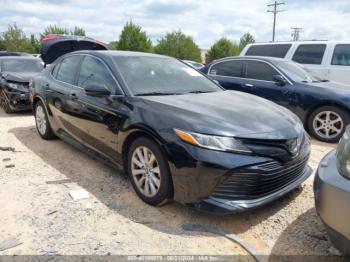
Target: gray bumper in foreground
{"type": "Point", "coordinates": [332, 196]}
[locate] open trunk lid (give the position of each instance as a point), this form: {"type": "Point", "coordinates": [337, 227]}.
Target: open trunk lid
{"type": "Point", "coordinates": [55, 46]}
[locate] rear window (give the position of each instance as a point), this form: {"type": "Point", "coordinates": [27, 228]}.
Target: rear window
{"type": "Point", "coordinates": [309, 54]}
{"type": "Point", "coordinates": [341, 55]}
{"type": "Point", "coordinates": [279, 50]}
{"type": "Point", "coordinates": [227, 68]}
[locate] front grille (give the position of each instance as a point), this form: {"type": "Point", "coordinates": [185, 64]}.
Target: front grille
{"type": "Point", "coordinates": [256, 181]}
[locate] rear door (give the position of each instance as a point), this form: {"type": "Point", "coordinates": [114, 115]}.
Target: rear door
{"type": "Point", "coordinates": [259, 80]}
{"type": "Point", "coordinates": [228, 73]}
{"type": "Point", "coordinates": [339, 68]}
{"type": "Point", "coordinates": [312, 56]}
{"type": "Point", "coordinates": [59, 91]}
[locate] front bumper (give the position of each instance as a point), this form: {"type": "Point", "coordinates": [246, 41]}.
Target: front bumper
{"type": "Point", "coordinates": [18, 101]}
{"type": "Point", "coordinates": [332, 195]}
{"type": "Point", "coordinates": [226, 183]}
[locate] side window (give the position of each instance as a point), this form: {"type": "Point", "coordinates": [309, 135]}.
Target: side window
{"type": "Point", "coordinates": [94, 71]}
{"type": "Point", "coordinates": [309, 54]}
{"type": "Point", "coordinates": [55, 70]}
{"type": "Point", "coordinates": [279, 50]}
{"type": "Point", "coordinates": [227, 68]}
{"type": "Point", "coordinates": [67, 69]}
{"type": "Point", "coordinates": [260, 71]}
{"type": "Point", "coordinates": [341, 55]}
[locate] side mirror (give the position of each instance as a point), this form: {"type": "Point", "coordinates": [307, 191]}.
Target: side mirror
{"type": "Point", "coordinates": [98, 90]}
{"type": "Point", "coordinates": [279, 80]}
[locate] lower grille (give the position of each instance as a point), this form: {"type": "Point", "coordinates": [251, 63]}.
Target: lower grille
{"type": "Point", "coordinates": [256, 181]}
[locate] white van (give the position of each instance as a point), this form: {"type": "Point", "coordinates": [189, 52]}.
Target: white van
{"type": "Point", "coordinates": [329, 60]}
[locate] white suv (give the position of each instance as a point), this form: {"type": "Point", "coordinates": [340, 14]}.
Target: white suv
{"type": "Point", "coordinates": [329, 60]}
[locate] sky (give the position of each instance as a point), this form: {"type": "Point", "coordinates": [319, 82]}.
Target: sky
{"type": "Point", "coordinates": [205, 20]}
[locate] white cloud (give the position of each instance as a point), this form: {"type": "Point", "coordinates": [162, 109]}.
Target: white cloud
{"type": "Point", "coordinates": [206, 21]}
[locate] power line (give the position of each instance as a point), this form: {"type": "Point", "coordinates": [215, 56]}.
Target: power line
{"type": "Point", "coordinates": [274, 11]}
{"type": "Point", "coordinates": [296, 33]}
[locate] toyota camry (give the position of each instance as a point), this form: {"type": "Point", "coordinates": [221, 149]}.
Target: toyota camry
{"type": "Point", "coordinates": [176, 133]}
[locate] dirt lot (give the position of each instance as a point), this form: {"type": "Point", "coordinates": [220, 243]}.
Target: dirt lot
{"type": "Point", "coordinates": [36, 208]}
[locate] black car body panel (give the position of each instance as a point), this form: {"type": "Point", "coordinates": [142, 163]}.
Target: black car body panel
{"type": "Point", "coordinates": [14, 86]}
{"type": "Point", "coordinates": [104, 127]}
{"type": "Point", "coordinates": [332, 194]}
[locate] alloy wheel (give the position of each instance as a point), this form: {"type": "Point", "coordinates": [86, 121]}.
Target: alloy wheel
{"type": "Point", "coordinates": [145, 171]}
{"type": "Point", "coordinates": [40, 119]}
{"type": "Point", "coordinates": [328, 124]}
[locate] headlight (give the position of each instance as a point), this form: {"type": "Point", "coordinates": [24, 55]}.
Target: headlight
{"type": "Point", "coordinates": [13, 86]}
{"type": "Point", "coordinates": [343, 154]}
{"type": "Point", "coordinates": [221, 143]}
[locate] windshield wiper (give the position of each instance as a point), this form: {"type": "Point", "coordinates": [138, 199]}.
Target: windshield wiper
{"type": "Point", "coordinates": [157, 94]}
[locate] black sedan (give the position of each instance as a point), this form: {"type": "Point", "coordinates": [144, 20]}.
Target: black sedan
{"type": "Point", "coordinates": [332, 193]}
{"type": "Point", "coordinates": [178, 135]}
{"type": "Point", "coordinates": [322, 106]}
{"type": "Point", "coordinates": [15, 75]}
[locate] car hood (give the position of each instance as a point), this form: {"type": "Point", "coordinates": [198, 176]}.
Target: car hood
{"type": "Point", "coordinates": [333, 86]}
{"type": "Point", "coordinates": [227, 113]}
{"type": "Point", "coordinates": [18, 77]}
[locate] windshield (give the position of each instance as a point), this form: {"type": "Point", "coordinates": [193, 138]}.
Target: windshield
{"type": "Point", "coordinates": [297, 73]}
{"type": "Point", "coordinates": [161, 75]}
{"type": "Point", "coordinates": [22, 66]}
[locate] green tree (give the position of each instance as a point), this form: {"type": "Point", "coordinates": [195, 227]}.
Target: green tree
{"type": "Point", "coordinates": [14, 39]}
{"type": "Point", "coordinates": [54, 30]}
{"type": "Point", "coordinates": [133, 38]}
{"type": "Point", "coordinates": [246, 39]}
{"type": "Point", "coordinates": [79, 31]}
{"type": "Point", "coordinates": [222, 48]}
{"type": "Point", "coordinates": [179, 45]}
{"type": "Point", "coordinates": [113, 45]}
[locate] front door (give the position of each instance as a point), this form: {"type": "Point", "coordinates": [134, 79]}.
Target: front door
{"type": "Point", "coordinates": [259, 80]}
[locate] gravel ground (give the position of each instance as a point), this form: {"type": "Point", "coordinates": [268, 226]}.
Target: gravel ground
{"type": "Point", "coordinates": [36, 208]}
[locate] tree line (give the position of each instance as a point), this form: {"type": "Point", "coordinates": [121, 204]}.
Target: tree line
{"type": "Point", "coordinates": [132, 38]}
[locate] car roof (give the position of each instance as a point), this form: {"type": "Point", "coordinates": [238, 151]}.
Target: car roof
{"type": "Point", "coordinates": [302, 42]}
{"type": "Point", "coordinates": [262, 58]}
{"type": "Point", "coordinates": [19, 58]}
{"type": "Point", "coordinates": [114, 53]}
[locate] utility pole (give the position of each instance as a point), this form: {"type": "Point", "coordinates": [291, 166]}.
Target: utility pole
{"type": "Point", "coordinates": [274, 11]}
{"type": "Point", "coordinates": [296, 33]}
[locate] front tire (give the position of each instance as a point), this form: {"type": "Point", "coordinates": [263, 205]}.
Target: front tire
{"type": "Point", "coordinates": [149, 171]}
{"type": "Point", "coordinates": [42, 123]}
{"type": "Point", "coordinates": [327, 123]}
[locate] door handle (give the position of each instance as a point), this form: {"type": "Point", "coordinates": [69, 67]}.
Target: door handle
{"type": "Point", "coordinates": [73, 96]}
{"type": "Point", "coordinates": [248, 85]}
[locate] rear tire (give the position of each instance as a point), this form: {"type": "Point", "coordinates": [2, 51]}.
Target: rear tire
{"type": "Point", "coordinates": [42, 123]}
{"type": "Point", "coordinates": [327, 123]}
{"type": "Point", "coordinates": [149, 171]}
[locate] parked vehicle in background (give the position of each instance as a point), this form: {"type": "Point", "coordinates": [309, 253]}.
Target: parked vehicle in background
{"type": "Point", "coordinates": [194, 64]}
{"type": "Point", "coordinates": [6, 53]}
{"type": "Point", "coordinates": [15, 75]}
{"type": "Point", "coordinates": [322, 106]}
{"type": "Point", "coordinates": [332, 193]}
{"type": "Point", "coordinates": [329, 60]}
{"type": "Point", "coordinates": [173, 130]}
